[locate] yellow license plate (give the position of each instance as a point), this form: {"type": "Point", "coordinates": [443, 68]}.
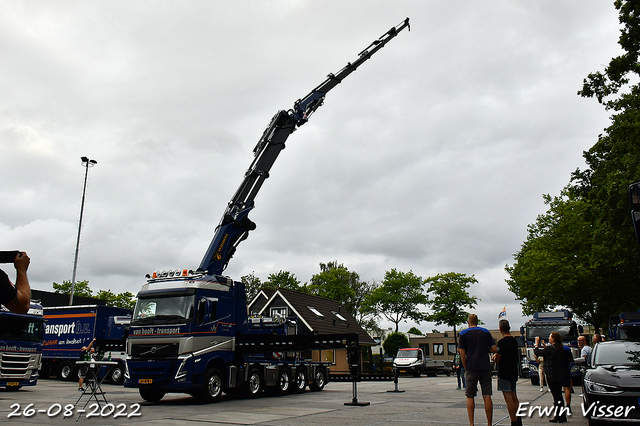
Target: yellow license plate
{"type": "Point", "coordinates": [13, 383]}
{"type": "Point", "coordinates": [147, 381]}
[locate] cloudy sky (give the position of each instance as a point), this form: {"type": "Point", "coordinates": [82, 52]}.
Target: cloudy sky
{"type": "Point", "coordinates": [431, 157]}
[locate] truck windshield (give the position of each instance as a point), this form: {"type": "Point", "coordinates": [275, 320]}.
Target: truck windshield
{"type": "Point", "coordinates": [20, 329]}
{"type": "Point", "coordinates": [407, 354]}
{"type": "Point", "coordinates": [164, 310]}
{"type": "Point", "coordinates": [568, 332]}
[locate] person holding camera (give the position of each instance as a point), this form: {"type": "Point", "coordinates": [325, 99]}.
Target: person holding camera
{"type": "Point", "coordinates": [16, 298]}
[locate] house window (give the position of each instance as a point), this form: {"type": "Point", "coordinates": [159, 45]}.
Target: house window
{"type": "Point", "coordinates": [339, 315]}
{"type": "Point", "coordinates": [438, 348]}
{"type": "Point", "coordinates": [282, 312]}
{"type": "Point", "coordinates": [315, 311]}
{"type": "Point", "coordinates": [451, 348]}
{"type": "Point", "coordinates": [329, 356]}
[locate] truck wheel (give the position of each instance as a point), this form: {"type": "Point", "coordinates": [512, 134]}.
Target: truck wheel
{"type": "Point", "coordinates": [318, 381]}
{"type": "Point", "coordinates": [212, 385]}
{"type": "Point", "coordinates": [284, 382]}
{"type": "Point", "coordinates": [535, 381]}
{"type": "Point", "coordinates": [116, 375]}
{"type": "Point", "coordinates": [254, 385]}
{"type": "Point", "coordinates": [300, 380]}
{"type": "Point", "coordinates": [65, 371]}
{"type": "Point", "coordinates": [416, 373]}
{"type": "Point", "coordinates": [150, 394]}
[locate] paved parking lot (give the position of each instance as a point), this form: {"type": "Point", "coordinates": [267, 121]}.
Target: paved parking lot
{"type": "Point", "coordinates": [425, 401]}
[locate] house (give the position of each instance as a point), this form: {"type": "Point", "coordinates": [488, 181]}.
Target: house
{"type": "Point", "coordinates": [312, 315]}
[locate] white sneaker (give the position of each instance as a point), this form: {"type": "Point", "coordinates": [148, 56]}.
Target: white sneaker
{"type": "Point", "coordinates": [541, 390]}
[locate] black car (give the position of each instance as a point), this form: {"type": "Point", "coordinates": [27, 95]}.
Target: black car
{"type": "Point", "coordinates": [611, 385]}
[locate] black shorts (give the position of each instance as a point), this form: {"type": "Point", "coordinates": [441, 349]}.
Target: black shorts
{"type": "Point", "coordinates": [86, 372]}
{"type": "Point", "coordinates": [472, 379]}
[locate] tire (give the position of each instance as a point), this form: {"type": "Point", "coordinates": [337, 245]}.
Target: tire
{"type": "Point", "coordinates": [254, 385]}
{"type": "Point", "coordinates": [535, 380]}
{"type": "Point", "coordinates": [150, 394]}
{"type": "Point", "coordinates": [116, 375]}
{"type": "Point", "coordinates": [300, 380]}
{"type": "Point", "coordinates": [283, 386]}
{"type": "Point", "coordinates": [212, 386]}
{"type": "Point", "coordinates": [319, 380]}
{"type": "Point", "coordinates": [416, 373]}
{"type": "Point", "coordinates": [65, 371]}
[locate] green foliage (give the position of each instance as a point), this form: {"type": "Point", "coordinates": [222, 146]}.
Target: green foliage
{"type": "Point", "coordinates": [450, 298]}
{"type": "Point", "coordinates": [394, 342]}
{"type": "Point", "coordinates": [252, 285]}
{"type": "Point", "coordinates": [283, 279]}
{"type": "Point", "coordinates": [582, 253]}
{"type": "Point", "coordinates": [121, 300]}
{"type": "Point", "coordinates": [336, 282]}
{"type": "Point", "coordinates": [415, 331]}
{"type": "Point", "coordinates": [398, 297]}
{"type": "Point", "coordinates": [81, 288]}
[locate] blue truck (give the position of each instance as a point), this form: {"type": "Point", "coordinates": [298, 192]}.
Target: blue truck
{"type": "Point", "coordinates": [20, 347]}
{"type": "Point", "coordinates": [542, 325]}
{"type": "Point", "coordinates": [190, 331]}
{"type": "Point", "coordinates": [625, 326]}
{"type": "Point", "coordinates": [69, 328]}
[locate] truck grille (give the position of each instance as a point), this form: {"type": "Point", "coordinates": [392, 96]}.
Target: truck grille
{"type": "Point", "coordinates": [14, 365]}
{"type": "Point", "coordinates": [154, 351]}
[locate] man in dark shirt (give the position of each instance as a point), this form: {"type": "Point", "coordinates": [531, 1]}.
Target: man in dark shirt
{"type": "Point", "coordinates": [475, 345]}
{"type": "Point", "coordinates": [507, 358]}
{"type": "Point", "coordinates": [18, 298]}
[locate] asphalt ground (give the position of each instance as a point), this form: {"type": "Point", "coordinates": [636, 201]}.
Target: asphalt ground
{"type": "Point", "coordinates": [424, 401]}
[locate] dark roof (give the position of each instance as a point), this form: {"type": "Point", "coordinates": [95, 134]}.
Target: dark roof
{"type": "Point", "coordinates": [321, 316]}
{"type": "Point", "coordinates": [49, 299]}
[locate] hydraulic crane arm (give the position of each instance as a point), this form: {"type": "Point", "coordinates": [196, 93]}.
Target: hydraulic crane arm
{"type": "Point", "coordinates": [235, 224]}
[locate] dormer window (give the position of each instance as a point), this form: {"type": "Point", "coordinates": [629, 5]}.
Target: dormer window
{"type": "Point", "coordinates": [339, 315]}
{"type": "Point", "coordinates": [315, 311]}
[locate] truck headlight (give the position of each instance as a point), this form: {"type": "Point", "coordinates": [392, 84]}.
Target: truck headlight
{"type": "Point", "coordinates": [182, 371]}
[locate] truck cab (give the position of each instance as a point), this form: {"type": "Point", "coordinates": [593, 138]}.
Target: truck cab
{"type": "Point", "coordinates": [542, 325]}
{"type": "Point", "coordinates": [20, 347]}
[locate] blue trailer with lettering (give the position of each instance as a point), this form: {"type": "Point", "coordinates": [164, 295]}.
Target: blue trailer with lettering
{"type": "Point", "coordinates": [20, 347]}
{"type": "Point", "coordinates": [69, 328]}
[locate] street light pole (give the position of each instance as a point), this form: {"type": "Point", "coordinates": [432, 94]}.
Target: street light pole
{"type": "Point", "coordinates": [86, 163]}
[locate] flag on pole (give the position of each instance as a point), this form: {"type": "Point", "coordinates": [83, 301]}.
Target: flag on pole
{"type": "Point", "coordinates": [503, 313]}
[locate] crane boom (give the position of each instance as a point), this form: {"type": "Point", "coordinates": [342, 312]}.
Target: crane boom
{"type": "Point", "coordinates": [235, 225]}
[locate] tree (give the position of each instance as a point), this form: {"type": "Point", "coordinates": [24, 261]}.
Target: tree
{"type": "Point", "coordinates": [336, 282]}
{"type": "Point", "coordinates": [398, 297]}
{"type": "Point", "coordinates": [283, 279]}
{"type": "Point", "coordinates": [121, 300]}
{"type": "Point", "coordinates": [415, 331]}
{"type": "Point", "coordinates": [450, 298]}
{"type": "Point", "coordinates": [582, 253]}
{"type": "Point", "coordinates": [81, 288]}
{"type": "Point", "coordinates": [252, 285]}
{"type": "Point", "coordinates": [394, 342]}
